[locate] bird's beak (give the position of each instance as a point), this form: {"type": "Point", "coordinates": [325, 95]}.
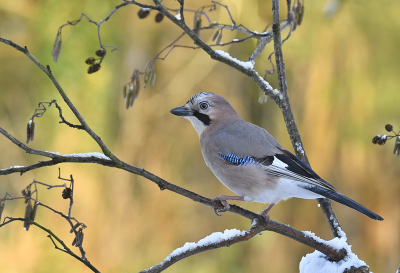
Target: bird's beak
{"type": "Point", "coordinates": [182, 112]}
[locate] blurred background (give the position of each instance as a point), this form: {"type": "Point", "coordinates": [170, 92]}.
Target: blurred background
{"type": "Point", "coordinates": [342, 72]}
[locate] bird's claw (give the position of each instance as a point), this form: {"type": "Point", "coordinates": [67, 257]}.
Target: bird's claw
{"type": "Point", "coordinates": [217, 211]}
{"type": "Point", "coordinates": [224, 203]}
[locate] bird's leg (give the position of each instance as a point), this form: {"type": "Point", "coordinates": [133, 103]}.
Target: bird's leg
{"type": "Point", "coordinates": [222, 199]}
{"type": "Point", "coordinates": [265, 212]}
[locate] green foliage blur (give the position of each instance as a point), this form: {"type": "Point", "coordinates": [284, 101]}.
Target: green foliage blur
{"type": "Point", "coordinates": [343, 83]}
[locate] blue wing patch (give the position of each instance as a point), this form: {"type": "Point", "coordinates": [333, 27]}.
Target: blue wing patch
{"type": "Point", "coordinates": [237, 161]}
{"type": "Point", "coordinates": [243, 161]}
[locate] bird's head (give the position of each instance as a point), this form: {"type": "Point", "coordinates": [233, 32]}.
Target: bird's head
{"type": "Point", "coordinates": [206, 109]}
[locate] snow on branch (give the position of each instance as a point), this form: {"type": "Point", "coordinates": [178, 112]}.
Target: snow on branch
{"type": "Point", "coordinates": [247, 65]}
{"type": "Point", "coordinates": [212, 241]}
{"type": "Point", "coordinates": [317, 262]}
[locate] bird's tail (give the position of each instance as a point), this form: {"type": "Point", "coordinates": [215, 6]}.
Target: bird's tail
{"type": "Point", "coordinates": [343, 199]}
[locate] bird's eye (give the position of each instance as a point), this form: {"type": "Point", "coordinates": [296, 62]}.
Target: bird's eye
{"type": "Point", "coordinates": [203, 105]}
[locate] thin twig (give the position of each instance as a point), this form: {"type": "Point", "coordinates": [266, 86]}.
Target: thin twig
{"type": "Point", "coordinates": [105, 19]}
{"type": "Point", "coordinates": [53, 210]}
{"type": "Point", "coordinates": [66, 122]}
{"type": "Point", "coordinates": [227, 9]}
{"type": "Point", "coordinates": [27, 149]}
{"type": "Point", "coordinates": [55, 245]}
{"type": "Point", "coordinates": [48, 185]}
{"type": "Point", "coordinates": [67, 250]}
{"type": "Point", "coordinates": [195, 11]}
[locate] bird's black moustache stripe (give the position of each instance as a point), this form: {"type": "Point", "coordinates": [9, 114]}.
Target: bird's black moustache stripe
{"type": "Point", "coordinates": [202, 117]}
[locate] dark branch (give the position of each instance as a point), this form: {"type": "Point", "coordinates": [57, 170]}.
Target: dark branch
{"type": "Point", "coordinates": [291, 126]}
{"type": "Point", "coordinates": [55, 245]}
{"type": "Point", "coordinates": [66, 122]}
{"type": "Point", "coordinates": [67, 250]}
{"type": "Point", "coordinates": [27, 149]}
{"type": "Point", "coordinates": [163, 184]}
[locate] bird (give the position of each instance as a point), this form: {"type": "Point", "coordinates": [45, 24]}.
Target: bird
{"type": "Point", "coordinates": [250, 161]}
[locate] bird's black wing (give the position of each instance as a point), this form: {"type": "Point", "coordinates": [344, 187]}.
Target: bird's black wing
{"type": "Point", "coordinates": [287, 165]}
{"type": "Point", "coordinates": [343, 199]}
{"type": "Point", "coordinates": [297, 166]}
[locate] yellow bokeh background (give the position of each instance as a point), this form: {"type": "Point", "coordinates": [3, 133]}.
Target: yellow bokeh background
{"type": "Point", "coordinates": [343, 82]}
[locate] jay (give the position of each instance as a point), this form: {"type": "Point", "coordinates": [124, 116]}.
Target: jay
{"type": "Point", "coordinates": [250, 162]}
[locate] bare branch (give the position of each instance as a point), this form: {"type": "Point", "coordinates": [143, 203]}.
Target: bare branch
{"type": "Point", "coordinates": [55, 245]}
{"type": "Point", "coordinates": [251, 73]}
{"type": "Point", "coordinates": [291, 126]}
{"type": "Point", "coordinates": [26, 148]}
{"type": "Point", "coordinates": [195, 11]}
{"type": "Point", "coordinates": [66, 122]}
{"type": "Point", "coordinates": [30, 213]}
{"type": "Point", "coordinates": [67, 250]}
{"type": "Point", "coordinates": [98, 24]}
{"type": "Point", "coordinates": [49, 73]}
{"type": "Point", "coordinates": [48, 185]}
{"type": "Point", "coordinates": [163, 184]}
{"type": "Point", "coordinates": [58, 160]}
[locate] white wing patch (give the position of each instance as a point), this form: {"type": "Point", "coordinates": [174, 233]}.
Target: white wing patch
{"type": "Point", "coordinates": [279, 164]}
{"type": "Point", "coordinates": [279, 168]}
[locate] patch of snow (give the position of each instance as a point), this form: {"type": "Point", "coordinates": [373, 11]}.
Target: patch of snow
{"type": "Point", "coordinates": [383, 137]}
{"type": "Point", "coordinates": [53, 153]}
{"type": "Point", "coordinates": [299, 148]}
{"type": "Point", "coordinates": [145, 9]}
{"type": "Point", "coordinates": [178, 16]}
{"type": "Point", "coordinates": [213, 238]}
{"type": "Point", "coordinates": [235, 40]}
{"type": "Point", "coordinates": [13, 167]}
{"type": "Point", "coordinates": [336, 225]}
{"type": "Point", "coordinates": [317, 262]}
{"type": "Point", "coordinates": [95, 154]}
{"type": "Point", "coordinates": [247, 65]}
{"type": "Point", "coordinates": [269, 87]}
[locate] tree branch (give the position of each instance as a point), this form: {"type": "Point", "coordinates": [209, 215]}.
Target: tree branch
{"type": "Point", "coordinates": [67, 250]}
{"type": "Point", "coordinates": [250, 72]}
{"type": "Point", "coordinates": [208, 243]}
{"type": "Point", "coordinates": [291, 126]}
{"type": "Point", "coordinates": [27, 149]}
{"type": "Point", "coordinates": [163, 184]}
